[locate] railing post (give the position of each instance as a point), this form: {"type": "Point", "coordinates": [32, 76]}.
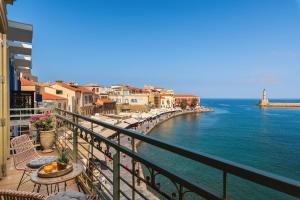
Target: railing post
{"type": "Point", "coordinates": [75, 144]}
{"type": "Point", "coordinates": [133, 169]}
{"type": "Point", "coordinates": [224, 185]}
{"type": "Point", "coordinates": [116, 176]}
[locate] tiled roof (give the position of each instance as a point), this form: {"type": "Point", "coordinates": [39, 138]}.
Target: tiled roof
{"type": "Point", "coordinates": [67, 86]}
{"type": "Point", "coordinates": [165, 95]}
{"type": "Point", "coordinates": [128, 87]}
{"type": "Point", "coordinates": [47, 96]}
{"type": "Point", "coordinates": [185, 95]}
{"type": "Point", "coordinates": [100, 102]}
{"type": "Point", "coordinates": [44, 84]}
{"type": "Point", "coordinates": [133, 88]}
{"type": "Point", "coordinates": [25, 82]}
{"type": "Point", "coordinates": [84, 89]}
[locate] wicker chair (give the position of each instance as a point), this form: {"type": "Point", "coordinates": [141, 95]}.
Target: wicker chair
{"type": "Point", "coordinates": [20, 195]}
{"type": "Point", "coordinates": [23, 152]}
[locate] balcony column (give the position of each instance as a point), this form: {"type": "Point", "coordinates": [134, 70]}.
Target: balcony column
{"type": "Point", "coordinates": [4, 105]}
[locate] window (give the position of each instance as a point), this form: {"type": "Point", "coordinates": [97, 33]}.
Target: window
{"type": "Point", "coordinates": [133, 100]}
{"type": "Point", "coordinates": [126, 100]}
{"type": "Point", "coordinates": [59, 92]}
{"type": "Point", "coordinates": [90, 99]}
{"type": "Point", "coordinates": [97, 89]}
{"type": "Point", "coordinates": [85, 99]}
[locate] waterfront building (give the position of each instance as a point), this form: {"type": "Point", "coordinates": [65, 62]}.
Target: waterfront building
{"type": "Point", "coordinates": [86, 101]}
{"type": "Point", "coordinates": [97, 89]}
{"type": "Point", "coordinates": [154, 96]}
{"type": "Point", "coordinates": [129, 99]}
{"type": "Point", "coordinates": [136, 102]}
{"type": "Point", "coordinates": [51, 100]}
{"type": "Point", "coordinates": [167, 100]}
{"type": "Point", "coordinates": [105, 106]}
{"type": "Point", "coordinates": [125, 90]}
{"type": "Point", "coordinates": [188, 98]}
{"type": "Point", "coordinates": [73, 94]}
{"type": "Point", "coordinates": [31, 90]}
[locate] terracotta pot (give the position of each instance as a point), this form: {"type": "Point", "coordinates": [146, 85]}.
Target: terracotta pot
{"type": "Point", "coordinates": [47, 139]}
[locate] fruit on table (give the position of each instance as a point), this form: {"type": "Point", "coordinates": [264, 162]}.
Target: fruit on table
{"type": "Point", "coordinates": [48, 169]}
{"type": "Point", "coordinates": [54, 165]}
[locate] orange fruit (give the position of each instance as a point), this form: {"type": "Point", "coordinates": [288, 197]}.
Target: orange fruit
{"type": "Point", "coordinates": [54, 165]}
{"type": "Point", "coordinates": [48, 169]}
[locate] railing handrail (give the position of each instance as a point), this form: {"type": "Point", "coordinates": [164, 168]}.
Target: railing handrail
{"type": "Point", "coordinates": [276, 182]}
{"type": "Point", "coordinates": [31, 109]}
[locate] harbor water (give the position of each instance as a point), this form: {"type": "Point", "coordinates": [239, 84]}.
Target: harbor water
{"type": "Point", "coordinates": [239, 131]}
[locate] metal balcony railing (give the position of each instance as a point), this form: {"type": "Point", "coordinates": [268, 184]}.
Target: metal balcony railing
{"type": "Point", "coordinates": [114, 169]}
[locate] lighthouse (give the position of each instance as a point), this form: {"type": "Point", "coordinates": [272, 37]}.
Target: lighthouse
{"type": "Point", "coordinates": [264, 101]}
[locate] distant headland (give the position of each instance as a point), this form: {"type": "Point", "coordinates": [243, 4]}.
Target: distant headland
{"type": "Point", "coordinates": [264, 102]}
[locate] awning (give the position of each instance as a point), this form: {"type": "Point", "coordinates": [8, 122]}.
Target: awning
{"type": "Point", "coordinates": [19, 31]}
{"type": "Point", "coordinates": [19, 48]}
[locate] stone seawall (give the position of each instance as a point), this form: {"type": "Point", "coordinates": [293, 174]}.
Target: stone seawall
{"type": "Point", "coordinates": [282, 105]}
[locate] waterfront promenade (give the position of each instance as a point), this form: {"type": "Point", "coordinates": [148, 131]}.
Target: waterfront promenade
{"type": "Point", "coordinates": [146, 127]}
{"type": "Point", "coordinates": [143, 126]}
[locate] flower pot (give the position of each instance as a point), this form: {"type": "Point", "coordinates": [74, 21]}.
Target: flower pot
{"type": "Point", "coordinates": [47, 139]}
{"type": "Point", "coordinates": [61, 166]}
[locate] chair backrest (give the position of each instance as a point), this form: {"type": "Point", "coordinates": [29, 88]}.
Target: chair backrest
{"type": "Point", "coordinates": [20, 195]}
{"type": "Point", "coordinates": [23, 149]}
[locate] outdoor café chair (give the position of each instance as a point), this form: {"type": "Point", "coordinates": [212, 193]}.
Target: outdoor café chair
{"type": "Point", "coordinates": [20, 195]}
{"type": "Point", "coordinates": [26, 157]}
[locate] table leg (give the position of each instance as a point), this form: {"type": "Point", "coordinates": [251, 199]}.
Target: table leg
{"type": "Point", "coordinates": [65, 185]}
{"type": "Point", "coordinates": [47, 190]}
{"type": "Point", "coordinates": [34, 187]}
{"type": "Point", "coordinates": [38, 189]}
{"type": "Point", "coordinates": [77, 183]}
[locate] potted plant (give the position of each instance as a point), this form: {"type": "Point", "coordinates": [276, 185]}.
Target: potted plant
{"type": "Point", "coordinates": [62, 160]}
{"type": "Point", "coordinates": [46, 132]}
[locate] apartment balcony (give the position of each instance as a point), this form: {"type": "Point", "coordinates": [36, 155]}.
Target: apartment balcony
{"type": "Point", "coordinates": [114, 169]}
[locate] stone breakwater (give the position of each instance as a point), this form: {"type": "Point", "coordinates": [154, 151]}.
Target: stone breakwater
{"type": "Point", "coordinates": [281, 105]}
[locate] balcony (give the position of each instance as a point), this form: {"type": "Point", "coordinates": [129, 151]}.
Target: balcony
{"type": "Point", "coordinates": [114, 169]}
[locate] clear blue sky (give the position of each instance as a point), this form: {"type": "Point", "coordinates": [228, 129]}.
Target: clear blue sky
{"type": "Point", "coordinates": [213, 48]}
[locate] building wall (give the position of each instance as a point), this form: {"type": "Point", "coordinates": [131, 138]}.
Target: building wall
{"type": "Point", "coordinates": [107, 108]}
{"type": "Point", "coordinates": [86, 99]}
{"type": "Point", "coordinates": [167, 102]}
{"type": "Point", "coordinates": [154, 100]}
{"type": "Point", "coordinates": [189, 100]}
{"type": "Point", "coordinates": [31, 89]}
{"type": "Point", "coordinates": [131, 99]}
{"type": "Point", "coordinates": [132, 108]}
{"type": "Point", "coordinates": [61, 104]}
{"type": "Point", "coordinates": [72, 96]}
{"type": "Point", "coordinates": [4, 100]}
{"type": "Point", "coordinates": [97, 89]}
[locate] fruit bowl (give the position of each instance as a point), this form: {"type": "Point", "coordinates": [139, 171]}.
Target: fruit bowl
{"type": "Point", "coordinates": [51, 171]}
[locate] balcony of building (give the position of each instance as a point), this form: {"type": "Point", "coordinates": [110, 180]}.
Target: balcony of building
{"type": "Point", "coordinates": [114, 169]}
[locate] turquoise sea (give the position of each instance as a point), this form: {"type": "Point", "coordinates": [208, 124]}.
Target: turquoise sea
{"type": "Point", "coordinates": [239, 131]}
